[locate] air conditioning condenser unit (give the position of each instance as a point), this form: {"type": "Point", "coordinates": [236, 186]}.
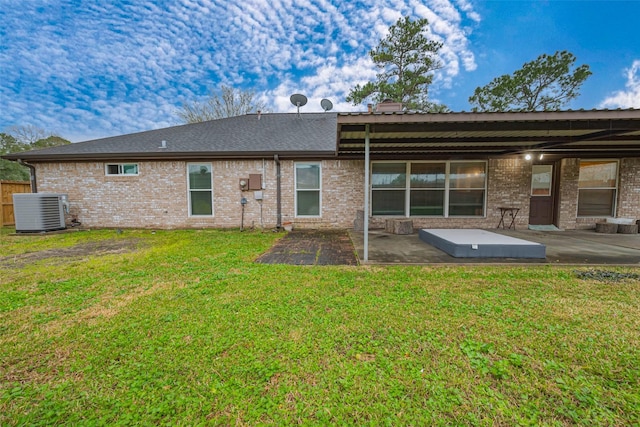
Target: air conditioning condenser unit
{"type": "Point", "coordinates": [38, 212]}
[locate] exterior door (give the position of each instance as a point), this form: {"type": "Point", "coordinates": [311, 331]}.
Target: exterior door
{"type": "Point", "coordinates": [542, 198]}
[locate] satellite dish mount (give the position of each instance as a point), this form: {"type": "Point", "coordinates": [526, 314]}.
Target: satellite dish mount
{"type": "Point", "coordinates": [298, 100]}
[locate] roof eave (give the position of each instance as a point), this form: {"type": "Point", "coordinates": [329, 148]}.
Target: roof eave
{"type": "Point", "coordinates": [155, 156]}
{"type": "Point", "coordinates": [528, 116]}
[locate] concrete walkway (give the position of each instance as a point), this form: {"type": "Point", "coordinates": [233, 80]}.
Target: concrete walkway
{"type": "Point", "coordinates": [575, 247]}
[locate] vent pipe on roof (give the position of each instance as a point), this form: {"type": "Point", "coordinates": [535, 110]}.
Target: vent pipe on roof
{"type": "Point", "coordinates": [259, 114]}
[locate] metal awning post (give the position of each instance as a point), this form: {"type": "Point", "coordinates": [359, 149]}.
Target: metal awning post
{"type": "Point", "coordinates": [366, 193]}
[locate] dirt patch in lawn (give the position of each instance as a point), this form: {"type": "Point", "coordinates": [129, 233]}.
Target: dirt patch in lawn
{"type": "Point", "coordinates": [77, 252]}
{"type": "Point", "coordinates": [312, 247]}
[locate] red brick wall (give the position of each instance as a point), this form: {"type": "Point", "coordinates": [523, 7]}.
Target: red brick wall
{"type": "Point", "coordinates": [157, 197]}
{"type": "Point", "coordinates": [629, 189]}
{"type": "Point", "coordinates": [569, 172]}
{"type": "Point", "coordinates": [342, 194]}
{"type": "Point", "coordinates": [628, 201]}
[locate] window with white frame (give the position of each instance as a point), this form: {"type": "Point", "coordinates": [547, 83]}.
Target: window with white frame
{"type": "Point", "coordinates": [466, 183]}
{"type": "Point", "coordinates": [597, 188]}
{"type": "Point", "coordinates": [308, 180]}
{"type": "Point", "coordinates": [200, 181]}
{"type": "Point", "coordinates": [442, 189]}
{"type": "Point", "coordinates": [121, 169]}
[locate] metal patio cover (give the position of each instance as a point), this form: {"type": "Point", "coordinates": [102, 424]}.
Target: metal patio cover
{"type": "Point", "coordinates": [402, 135]}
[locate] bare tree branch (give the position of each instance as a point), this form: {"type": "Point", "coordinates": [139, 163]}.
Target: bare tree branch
{"type": "Point", "coordinates": [227, 102]}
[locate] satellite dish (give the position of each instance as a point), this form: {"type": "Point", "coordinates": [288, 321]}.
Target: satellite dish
{"type": "Point", "coordinates": [298, 100]}
{"type": "Point", "coordinates": [326, 104]}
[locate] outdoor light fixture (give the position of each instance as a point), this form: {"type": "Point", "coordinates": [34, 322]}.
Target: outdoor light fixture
{"type": "Point", "coordinates": [527, 157]}
{"type": "Point", "coordinates": [541, 156]}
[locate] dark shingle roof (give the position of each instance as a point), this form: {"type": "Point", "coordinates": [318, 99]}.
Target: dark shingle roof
{"type": "Point", "coordinates": [248, 136]}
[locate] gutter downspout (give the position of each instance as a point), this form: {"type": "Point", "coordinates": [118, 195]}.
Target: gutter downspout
{"type": "Point", "coordinates": [32, 175]}
{"type": "Point", "coordinates": [276, 159]}
{"type": "Point", "coordinates": [366, 193]}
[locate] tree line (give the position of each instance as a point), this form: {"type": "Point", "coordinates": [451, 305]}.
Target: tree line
{"type": "Point", "coordinates": [24, 138]}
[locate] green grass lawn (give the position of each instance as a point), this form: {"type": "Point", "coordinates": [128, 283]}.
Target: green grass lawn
{"type": "Point", "coordinates": [182, 328]}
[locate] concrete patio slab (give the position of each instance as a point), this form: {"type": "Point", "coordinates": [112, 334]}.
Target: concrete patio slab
{"type": "Point", "coordinates": [576, 247]}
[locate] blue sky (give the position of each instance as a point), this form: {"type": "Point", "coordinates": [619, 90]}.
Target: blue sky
{"type": "Point", "coordinates": [90, 69]}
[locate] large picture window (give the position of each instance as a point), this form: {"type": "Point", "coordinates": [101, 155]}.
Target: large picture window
{"type": "Point", "coordinates": [308, 183]}
{"type": "Point", "coordinates": [427, 184]}
{"type": "Point", "coordinates": [389, 181]}
{"type": "Point", "coordinates": [467, 188]}
{"type": "Point", "coordinates": [440, 189]}
{"type": "Point", "coordinates": [200, 189]}
{"type": "Point", "coordinates": [597, 188]}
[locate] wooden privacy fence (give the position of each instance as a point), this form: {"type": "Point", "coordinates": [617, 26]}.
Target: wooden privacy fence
{"type": "Point", "coordinates": [7, 189]}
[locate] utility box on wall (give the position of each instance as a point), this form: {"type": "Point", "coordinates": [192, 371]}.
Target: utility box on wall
{"type": "Point", "coordinates": [255, 181]}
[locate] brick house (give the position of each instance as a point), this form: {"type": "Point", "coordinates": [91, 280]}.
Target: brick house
{"type": "Point", "coordinates": [451, 170]}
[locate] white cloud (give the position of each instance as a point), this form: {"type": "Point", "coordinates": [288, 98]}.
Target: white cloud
{"type": "Point", "coordinates": [629, 98]}
{"type": "Point", "coordinates": [467, 8]}
{"type": "Point", "coordinates": [99, 69]}
{"type": "Point", "coordinates": [391, 15]}
{"type": "Point", "coordinates": [446, 24]}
